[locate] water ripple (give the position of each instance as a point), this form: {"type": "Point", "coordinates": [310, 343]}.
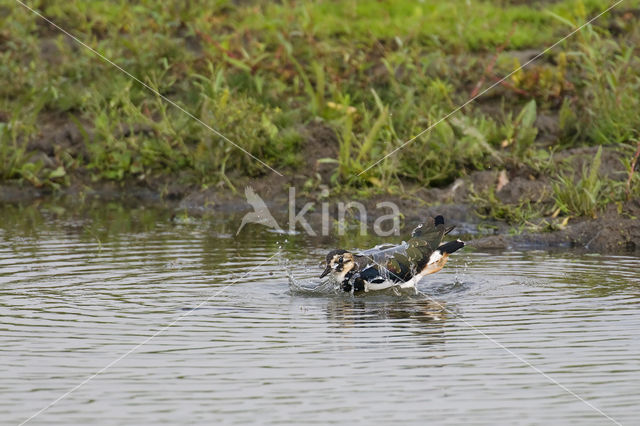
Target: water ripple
{"type": "Point", "coordinates": [263, 350]}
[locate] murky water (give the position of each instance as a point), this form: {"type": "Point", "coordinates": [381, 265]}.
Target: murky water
{"type": "Point", "coordinates": [81, 288]}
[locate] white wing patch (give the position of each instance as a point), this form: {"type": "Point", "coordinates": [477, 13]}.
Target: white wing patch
{"type": "Point", "coordinates": [391, 284]}
{"type": "Point", "coordinates": [435, 256]}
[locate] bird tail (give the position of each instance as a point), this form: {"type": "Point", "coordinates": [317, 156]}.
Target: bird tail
{"type": "Point", "coordinates": [451, 247]}
{"type": "Point", "coordinates": [439, 220]}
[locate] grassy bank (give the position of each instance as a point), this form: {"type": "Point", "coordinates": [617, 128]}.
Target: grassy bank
{"type": "Point", "coordinates": [364, 75]}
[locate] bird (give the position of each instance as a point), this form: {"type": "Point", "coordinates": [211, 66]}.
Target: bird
{"type": "Point", "coordinates": [400, 266]}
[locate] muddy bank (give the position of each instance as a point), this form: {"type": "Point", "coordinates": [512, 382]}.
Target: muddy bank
{"type": "Point", "coordinates": [473, 201]}
{"type": "Point", "coordinates": [610, 233]}
{"type": "Point", "coordinates": [615, 230]}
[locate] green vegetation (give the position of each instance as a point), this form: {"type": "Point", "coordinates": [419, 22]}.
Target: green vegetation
{"type": "Point", "coordinates": [376, 73]}
{"type": "Point", "coordinates": [489, 207]}
{"type": "Point", "coordinates": [583, 197]}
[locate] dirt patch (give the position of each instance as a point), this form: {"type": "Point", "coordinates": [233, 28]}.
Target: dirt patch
{"type": "Point", "coordinates": [321, 142]}
{"type": "Point", "coordinates": [579, 158]}
{"type": "Point", "coordinates": [612, 232]}
{"type": "Point", "coordinates": [518, 189]}
{"type": "Point", "coordinates": [59, 134]}
{"type": "Point", "coordinates": [548, 129]}
{"type": "Point", "coordinates": [612, 235]}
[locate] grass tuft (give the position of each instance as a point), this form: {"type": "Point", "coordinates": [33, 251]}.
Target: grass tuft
{"type": "Point", "coordinates": [583, 197]}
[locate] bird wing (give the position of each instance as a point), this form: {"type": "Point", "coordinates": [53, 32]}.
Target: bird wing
{"type": "Point", "coordinates": [401, 262]}
{"type": "Point", "coordinates": [430, 232]}
{"type": "Point", "coordinates": [396, 263]}
{"type": "Point", "coordinates": [379, 254]}
{"type": "Point", "coordinates": [381, 250]}
{"type": "Point", "coordinates": [425, 239]}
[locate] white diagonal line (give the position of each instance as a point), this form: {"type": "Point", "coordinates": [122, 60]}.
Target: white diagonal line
{"type": "Point", "coordinates": [515, 355]}
{"type": "Point", "coordinates": [490, 87]}
{"type": "Point", "coordinates": [536, 369]}
{"type": "Point", "coordinates": [151, 89]}
{"type": "Point", "coordinates": [144, 342]}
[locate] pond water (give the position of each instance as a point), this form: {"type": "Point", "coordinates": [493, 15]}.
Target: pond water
{"type": "Point", "coordinates": [518, 337]}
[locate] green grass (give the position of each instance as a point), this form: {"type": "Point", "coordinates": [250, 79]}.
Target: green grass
{"type": "Point", "coordinates": [519, 215]}
{"type": "Point", "coordinates": [375, 72]}
{"type": "Point", "coordinates": [583, 196]}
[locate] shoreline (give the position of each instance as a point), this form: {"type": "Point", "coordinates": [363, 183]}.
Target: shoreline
{"type": "Point", "coordinates": [616, 228]}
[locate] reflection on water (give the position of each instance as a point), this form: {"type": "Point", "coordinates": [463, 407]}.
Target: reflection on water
{"type": "Point", "coordinates": [421, 318]}
{"type": "Point", "coordinates": [81, 285]}
{"type": "Point", "coordinates": [352, 312]}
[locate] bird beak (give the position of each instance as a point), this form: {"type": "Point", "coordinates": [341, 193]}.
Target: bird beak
{"type": "Point", "coordinates": [326, 271]}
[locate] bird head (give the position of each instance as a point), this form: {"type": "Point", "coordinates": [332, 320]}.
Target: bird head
{"type": "Point", "coordinates": [339, 263]}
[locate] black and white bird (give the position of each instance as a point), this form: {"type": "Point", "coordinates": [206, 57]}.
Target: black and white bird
{"type": "Point", "coordinates": [388, 266]}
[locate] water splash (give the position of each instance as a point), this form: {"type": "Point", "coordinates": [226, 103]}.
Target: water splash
{"type": "Point", "coordinates": [311, 286]}
{"type": "Point", "coordinates": [303, 279]}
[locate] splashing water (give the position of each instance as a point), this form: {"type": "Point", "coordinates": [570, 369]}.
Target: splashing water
{"type": "Point", "coordinates": [303, 281]}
